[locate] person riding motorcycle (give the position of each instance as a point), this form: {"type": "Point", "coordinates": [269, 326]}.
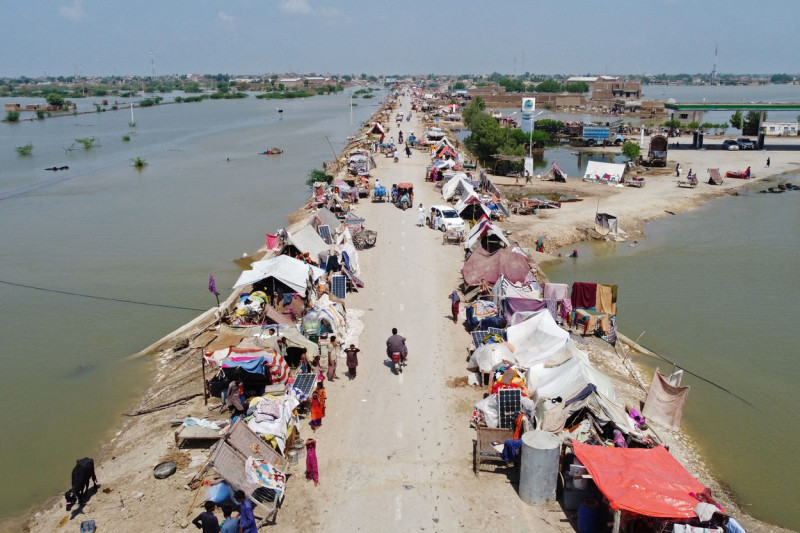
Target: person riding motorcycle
{"type": "Point", "coordinates": [396, 343]}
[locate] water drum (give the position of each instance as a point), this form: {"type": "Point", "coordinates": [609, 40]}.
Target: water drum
{"type": "Point", "coordinates": [587, 516]}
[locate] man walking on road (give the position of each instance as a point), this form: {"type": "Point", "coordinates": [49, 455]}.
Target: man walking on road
{"type": "Point", "coordinates": [421, 216]}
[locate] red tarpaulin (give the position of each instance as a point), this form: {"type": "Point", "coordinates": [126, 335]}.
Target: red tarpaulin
{"type": "Point", "coordinates": [644, 481]}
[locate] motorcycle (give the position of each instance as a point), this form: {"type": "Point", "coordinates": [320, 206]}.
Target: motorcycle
{"type": "Point", "coordinates": [398, 362]}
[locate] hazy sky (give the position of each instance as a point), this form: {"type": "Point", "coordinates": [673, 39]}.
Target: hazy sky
{"type": "Point", "coordinates": [100, 37]}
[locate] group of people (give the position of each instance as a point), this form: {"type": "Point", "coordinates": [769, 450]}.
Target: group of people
{"type": "Point", "coordinates": [245, 522]}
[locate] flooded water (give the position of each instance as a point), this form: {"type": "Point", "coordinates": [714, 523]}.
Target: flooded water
{"type": "Point", "coordinates": [714, 291]}
{"type": "Point", "coordinates": [102, 228]}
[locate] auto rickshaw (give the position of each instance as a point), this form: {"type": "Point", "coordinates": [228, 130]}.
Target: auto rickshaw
{"type": "Point", "coordinates": [405, 195]}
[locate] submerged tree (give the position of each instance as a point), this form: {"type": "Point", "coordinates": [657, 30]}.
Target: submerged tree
{"type": "Point", "coordinates": [25, 150]}
{"type": "Point", "coordinates": [87, 142]}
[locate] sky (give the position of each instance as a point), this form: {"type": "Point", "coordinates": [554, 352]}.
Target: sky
{"type": "Point", "coordinates": [579, 37]}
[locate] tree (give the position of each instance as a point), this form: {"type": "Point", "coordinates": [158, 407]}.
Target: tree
{"type": "Point", "coordinates": [631, 150]}
{"type": "Point", "coordinates": [579, 87]}
{"type": "Point", "coordinates": [736, 120]}
{"type": "Point", "coordinates": [459, 85]}
{"type": "Point", "coordinates": [12, 116]}
{"type": "Point", "coordinates": [781, 78]}
{"type": "Point", "coordinates": [55, 100]}
{"type": "Point", "coordinates": [751, 122]}
{"type": "Point", "coordinates": [316, 175]}
{"type": "Point", "coordinates": [548, 86]}
{"type": "Point", "coordinates": [672, 124]}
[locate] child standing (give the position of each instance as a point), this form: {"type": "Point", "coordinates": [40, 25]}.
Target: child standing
{"type": "Point", "coordinates": [352, 360]}
{"type": "Point", "coordinates": [312, 470]}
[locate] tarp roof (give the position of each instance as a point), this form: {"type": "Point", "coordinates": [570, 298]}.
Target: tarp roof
{"type": "Point", "coordinates": [481, 228]}
{"type": "Point", "coordinates": [645, 481]}
{"type": "Point", "coordinates": [596, 170]}
{"type": "Point", "coordinates": [472, 198]}
{"type": "Point", "coordinates": [288, 270]}
{"type": "Point", "coordinates": [565, 373]}
{"type": "Point", "coordinates": [482, 265]}
{"type": "Point", "coordinates": [327, 217]}
{"type": "Point", "coordinates": [458, 182]}
{"type": "Point", "coordinates": [308, 240]}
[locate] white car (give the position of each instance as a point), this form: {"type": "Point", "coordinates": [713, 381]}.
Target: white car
{"type": "Point", "coordinates": [444, 218]}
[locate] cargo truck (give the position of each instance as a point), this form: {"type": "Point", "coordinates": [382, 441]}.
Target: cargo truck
{"type": "Point", "coordinates": [595, 135]}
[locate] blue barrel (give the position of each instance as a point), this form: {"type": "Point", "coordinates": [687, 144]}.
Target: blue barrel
{"type": "Point", "coordinates": [587, 516]}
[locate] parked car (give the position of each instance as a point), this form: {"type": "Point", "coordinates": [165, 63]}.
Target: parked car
{"type": "Point", "coordinates": [746, 144]}
{"type": "Point", "coordinates": [444, 218]}
{"type": "Point", "coordinates": [730, 144]}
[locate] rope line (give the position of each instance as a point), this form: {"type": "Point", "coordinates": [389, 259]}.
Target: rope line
{"type": "Point", "coordinates": [93, 297]}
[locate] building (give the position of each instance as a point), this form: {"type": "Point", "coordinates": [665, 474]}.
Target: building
{"type": "Point", "coordinates": [779, 129]}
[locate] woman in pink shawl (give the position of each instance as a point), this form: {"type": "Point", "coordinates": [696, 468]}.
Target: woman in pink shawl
{"type": "Point", "coordinates": [312, 470]}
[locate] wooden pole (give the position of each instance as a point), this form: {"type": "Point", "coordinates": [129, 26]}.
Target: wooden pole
{"type": "Point", "coordinates": [203, 365]}
{"type": "Point", "coordinates": [617, 520]}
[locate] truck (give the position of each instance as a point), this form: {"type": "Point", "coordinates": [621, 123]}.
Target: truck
{"type": "Point", "coordinates": [657, 153]}
{"type": "Point", "coordinates": [595, 135]}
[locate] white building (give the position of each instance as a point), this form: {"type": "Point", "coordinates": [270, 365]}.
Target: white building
{"type": "Point", "coordinates": [779, 129]}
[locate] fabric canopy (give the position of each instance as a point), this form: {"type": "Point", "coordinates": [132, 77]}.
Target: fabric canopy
{"type": "Point", "coordinates": [664, 404]}
{"type": "Point", "coordinates": [484, 228]}
{"type": "Point", "coordinates": [536, 339]}
{"type": "Point", "coordinates": [649, 482]}
{"type": "Point", "coordinates": [482, 265]}
{"type": "Point", "coordinates": [606, 172]}
{"type": "Point", "coordinates": [308, 240]}
{"type": "Point", "coordinates": [288, 270]}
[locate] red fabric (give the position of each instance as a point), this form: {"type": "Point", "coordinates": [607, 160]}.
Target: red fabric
{"type": "Point", "coordinates": [272, 241]}
{"type": "Point", "coordinates": [644, 481]}
{"type": "Point", "coordinates": [584, 295]}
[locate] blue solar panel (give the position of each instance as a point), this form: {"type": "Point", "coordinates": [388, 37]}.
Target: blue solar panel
{"type": "Point", "coordinates": [477, 337]}
{"type": "Point", "coordinates": [325, 233]}
{"type": "Point", "coordinates": [339, 286]}
{"type": "Point", "coordinates": [498, 331]}
{"type": "Point", "coordinates": [305, 383]}
{"type": "Point", "coordinates": [510, 403]}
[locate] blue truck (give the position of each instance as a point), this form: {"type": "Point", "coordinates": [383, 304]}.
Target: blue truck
{"type": "Point", "coordinates": [595, 135]}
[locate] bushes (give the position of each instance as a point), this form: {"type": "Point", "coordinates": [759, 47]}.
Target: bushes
{"type": "Point", "coordinates": [12, 116]}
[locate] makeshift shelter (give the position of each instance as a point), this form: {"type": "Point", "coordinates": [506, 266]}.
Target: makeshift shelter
{"type": "Point", "coordinates": [645, 481]}
{"type": "Point", "coordinates": [457, 184]}
{"type": "Point", "coordinates": [565, 374]}
{"type": "Point", "coordinates": [487, 356]}
{"type": "Point", "coordinates": [288, 270]}
{"type": "Point", "coordinates": [471, 207]}
{"type": "Point", "coordinates": [605, 224]}
{"type": "Point", "coordinates": [552, 416]}
{"type": "Point", "coordinates": [600, 172]}
{"type": "Point", "coordinates": [489, 267]}
{"type": "Point", "coordinates": [377, 129]}
{"type": "Point", "coordinates": [714, 177]}
{"type": "Point", "coordinates": [306, 240]}
{"type": "Point", "coordinates": [325, 217]}
{"type": "Point", "coordinates": [536, 339]}
{"type": "Point", "coordinates": [487, 235]}
{"type": "Point", "coordinates": [554, 173]}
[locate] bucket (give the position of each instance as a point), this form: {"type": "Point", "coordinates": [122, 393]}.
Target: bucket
{"type": "Point", "coordinates": [292, 456]}
{"type": "Point", "coordinates": [587, 516]}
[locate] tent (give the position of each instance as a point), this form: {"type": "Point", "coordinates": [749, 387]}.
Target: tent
{"type": "Point", "coordinates": [605, 224]}
{"type": "Point", "coordinates": [487, 356]}
{"type": "Point", "coordinates": [604, 172]}
{"type": "Point", "coordinates": [645, 481]}
{"type": "Point", "coordinates": [536, 340]}
{"type": "Point", "coordinates": [553, 416]}
{"type": "Point", "coordinates": [487, 235]}
{"type": "Point", "coordinates": [471, 207]}
{"type": "Point", "coordinates": [325, 217]}
{"type": "Point", "coordinates": [565, 373]}
{"type": "Point", "coordinates": [377, 129]}
{"type": "Point", "coordinates": [288, 270]}
{"type": "Point", "coordinates": [490, 267]}
{"type": "Point", "coordinates": [307, 240]}
{"type": "Point", "coordinates": [457, 184]}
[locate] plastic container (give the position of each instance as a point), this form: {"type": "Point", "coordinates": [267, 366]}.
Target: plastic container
{"type": "Point", "coordinates": [587, 515]}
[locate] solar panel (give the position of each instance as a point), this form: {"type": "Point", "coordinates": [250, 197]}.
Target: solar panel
{"type": "Point", "coordinates": [477, 337]}
{"type": "Point", "coordinates": [510, 401]}
{"type": "Point", "coordinates": [498, 331]}
{"type": "Point", "coordinates": [325, 232]}
{"type": "Point", "coordinates": [339, 285]}
{"type": "Point", "coordinates": [305, 383]}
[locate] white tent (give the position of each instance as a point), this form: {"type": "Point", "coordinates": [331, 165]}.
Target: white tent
{"type": "Point", "coordinates": [487, 356]}
{"type": "Point", "coordinates": [566, 378]}
{"type": "Point", "coordinates": [472, 198]}
{"type": "Point", "coordinates": [604, 172]}
{"type": "Point", "coordinates": [482, 227]}
{"type": "Point", "coordinates": [287, 270]}
{"type": "Point", "coordinates": [458, 182]}
{"type": "Point", "coordinates": [536, 339]}
{"type": "Point", "coordinates": [307, 240]}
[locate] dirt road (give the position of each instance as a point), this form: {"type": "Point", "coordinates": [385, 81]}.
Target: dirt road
{"type": "Point", "coordinates": [395, 451]}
